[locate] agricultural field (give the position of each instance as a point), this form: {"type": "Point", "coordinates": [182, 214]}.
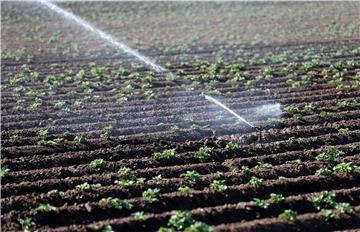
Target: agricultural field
{"type": "Point", "coordinates": [92, 139]}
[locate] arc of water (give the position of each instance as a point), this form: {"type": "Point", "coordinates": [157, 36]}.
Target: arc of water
{"type": "Point", "coordinates": [102, 34]}
{"type": "Point", "coordinates": [228, 109]}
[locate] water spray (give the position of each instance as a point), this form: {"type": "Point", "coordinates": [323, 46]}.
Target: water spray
{"type": "Point", "coordinates": [228, 109]}
{"type": "Point", "coordinates": [117, 44]}
{"type": "Point", "coordinates": [258, 129]}
{"type": "Point", "coordinates": [105, 36]}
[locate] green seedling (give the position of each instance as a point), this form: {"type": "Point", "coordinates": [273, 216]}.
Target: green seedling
{"type": "Point", "coordinates": [116, 203]}
{"type": "Point", "coordinates": [26, 223]}
{"type": "Point", "coordinates": [254, 181]}
{"type": "Point", "coordinates": [203, 154]}
{"type": "Point", "coordinates": [106, 132]}
{"type": "Point", "coordinates": [80, 139]}
{"type": "Point", "coordinates": [4, 171]}
{"type": "Point", "coordinates": [218, 185]}
{"type": "Point", "coordinates": [55, 192]}
{"type": "Point", "coordinates": [232, 146]}
{"type": "Point", "coordinates": [260, 203]}
{"type": "Point", "coordinates": [98, 165]}
{"type": "Point", "coordinates": [45, 208]}
{"type": "Point", "coordinates": [166, 154]}
{"type": "Point", "coordinates": [330, 155]}
{"type": "Point", "coordinates": [199, 227]}
{"type": "Point", "coordinates": [324, 200]}
{"type": "Point", "coordinates": [294, 162]}
{"type": "Point", "coordinates": [191, 176]}
{"type": "Point", "coordinates": [152, 195]}
{"type": "Point", "coordinates": [87, 186]}
{"type": "Point", "coordinates": [263, 165]}
{"type": "Point", "coordinates": [277, 198]}
{"type": "Point", "coordinates": [329, 214]}
{"type": "Point", "coordinates": [289, 214]}
{"type": "Point", "coordinates": [344, 131]}
{"type": "Point", "coordinates": [186, 190]}
{"type": "Point", "coordinates": [140, 216]}
{"type": "Point", "coordinates": [344, 207]}
{"type": "Point", "coordinates": [323, 172]}
{"type": "Point", "coordinates": [181, 220]}
{"type": "Point", "coordinates": [346, 167]}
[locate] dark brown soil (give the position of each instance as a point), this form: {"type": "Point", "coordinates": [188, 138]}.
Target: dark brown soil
{"type": "Point", "coordinates": [289, 144]}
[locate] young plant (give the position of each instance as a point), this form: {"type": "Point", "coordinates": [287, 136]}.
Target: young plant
{"type": "Point", "coordinates": [175, 129]}
{"type": "Point", "coordinates": [87, 186]}
{"type": "Point", "coordinates": [98, 165]}
{"type": "Point", "coordinates": [323, 114]}
{"type": "Point", "coordinates": [26, 223]}
{"type": "Point", "coordinates": [323, 172]}
{"type": "Point", "coordinates": [344, 207]}
{"type": "Point", "coordinates": [199, 227]}
{"type": "Point", "coordinates": [245, 169]}
{"type": "Point", "coordinates": [277, 198]}
{"type": "Point", "coordinates": [4, 171]}
{"type": "Point", "coordinates": [203, 154]}
{"type": "Point", "coordinates": [116, 203]}
{"type": "Point", "coordinates": [345, 167]}
{"type": "Point", "coordinates": [191, 176]}
{"type": "Point", "coordinates": [344, 104]}
{"type": "Point", "coordinates": [150, 95]}
{"type": "Point", "coordinates": [166, 154]}
{"type": "Point", "coordinates": [80, 139]}
{"type": "Point", "coordinates": [152, 195]}
{"type": "Point", "coordinates": [289, 214]}
{"type": "Point", "coordinates": [218, 185]}
{"type": "Point", "coordinates": [263, 165]}
{"type": "Point", "coordinates": [157, 178]}
{"type": "Point", "coordinates": [181, 220]}
{"type": "Point", "coordinates": [186, 190]}
{"type": "Point", "coordinates": [54, 142]}
{"type": "Point", "coordinates": [232, 146]}
{"type": "Point", "coordinates": [125, 171]}
{"type": "Point", "coordinates": [125, 182]}
{"type": "Point", "coordinates": [254, 181]}
{"type": "Point", "coordinates": [45, 208]}
{"type": "Point", "coordinates": [139, 216]}
{"type": "Point", "coordinates": [330, 155]}
{"type": "Point", "coordinates": [129, 178]}
{"type": "Point", "coordinates": [294, 162]}
{"type": "Point", "coordinates": [106, 132]}
{"type": "Point", "coordinates": [43, 133]}
{"type": "Point", "coordinates": [217, 174]}
{"type": "Point", "coordinates": [329, 214]}
{"type": "Point", "coordinates": [260, 203]}
{"type": "Point", "coordinates": [310, 107]}
{"type": "Point", "coordinates": [58, 193]}
{"type": "Point", "coordinates": [97, 71]}
{"type": "Point", "coordinates": [291, 109]}
{"type": "Point", "coordinates": [324, 200]}
{"type": "Point", "coordinates": [107, 228]}
{"type": "Point", "coordinates": [344, 131]}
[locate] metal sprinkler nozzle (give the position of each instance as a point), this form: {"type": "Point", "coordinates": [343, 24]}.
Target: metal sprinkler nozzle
{"type": "Point", "coordinates": [259, 131]}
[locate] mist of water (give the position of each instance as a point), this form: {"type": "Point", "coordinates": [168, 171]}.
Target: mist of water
{"type": "Point", "coordinates": [103, 35]}
{"type": "Point", "coordinates": [269, 110]}
{"type": "Point", "coordinates": [228, 109]}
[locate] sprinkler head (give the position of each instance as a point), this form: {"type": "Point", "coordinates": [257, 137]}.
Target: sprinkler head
{"type": "Point", "coordinates": [259, 132]}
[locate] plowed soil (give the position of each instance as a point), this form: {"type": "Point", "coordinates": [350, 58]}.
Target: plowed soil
{"type": "Point", "coordinates": [318, 115]}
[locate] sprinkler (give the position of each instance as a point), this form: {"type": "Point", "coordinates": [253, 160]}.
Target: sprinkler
{"type": "Point", "coordinates": [257, 129]}
{"type": "Point", "coordinates": [259, 132]}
